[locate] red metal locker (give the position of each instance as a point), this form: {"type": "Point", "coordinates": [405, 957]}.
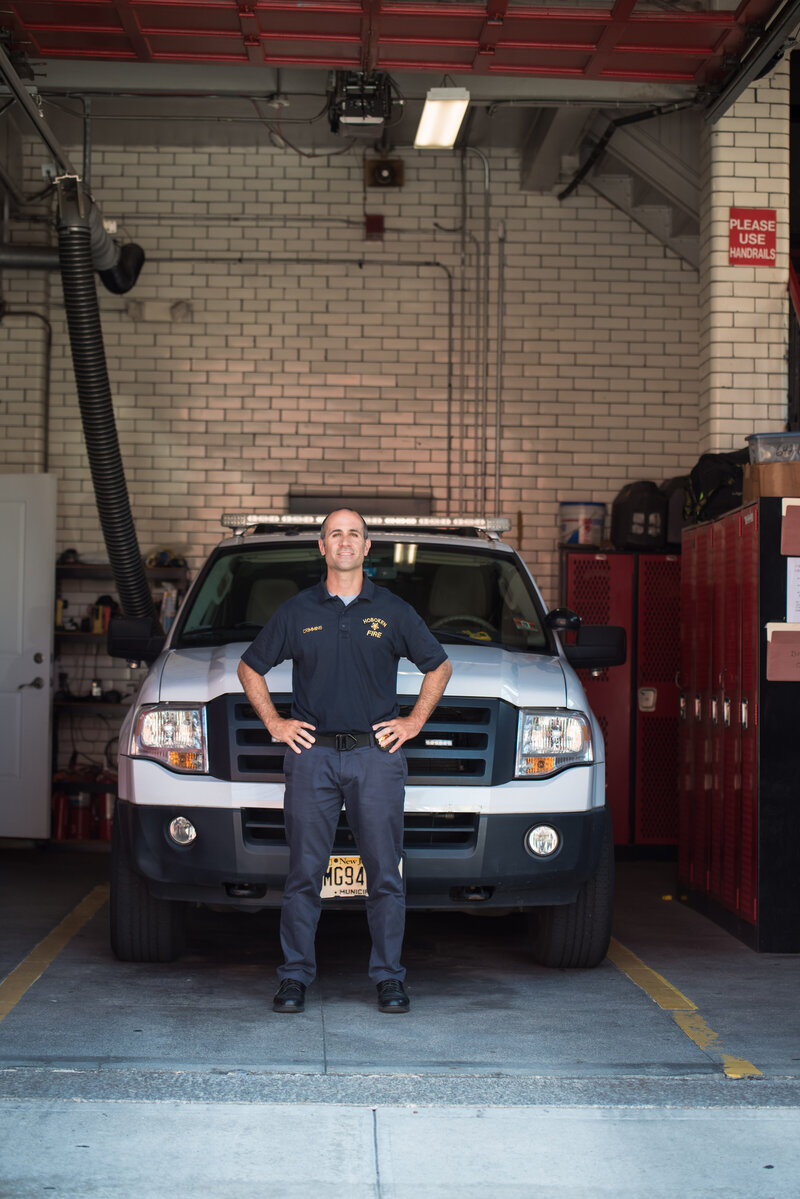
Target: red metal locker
{"type": "Point", "coordinates": [686, 785]}
{"type": "Point", "coordinates": [701, 702]}
{"type": "Point", "coordinates": [729, 705]}
{"type": "Point", "coordinates": [721, 598]}
{"type": "Point", "coordinates": [657, 698]}
{"type": "Point", "coordinates": [748, 715]}
{"type": "Point", "coordinates": [599, 587]}
{"type": "Point", "coordinates": [753, 839]}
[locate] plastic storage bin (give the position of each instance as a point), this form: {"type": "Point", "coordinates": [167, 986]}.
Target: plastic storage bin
{"type": "Point", "coordinates": [774, 447]}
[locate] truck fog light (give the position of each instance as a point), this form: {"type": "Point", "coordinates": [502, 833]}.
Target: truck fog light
{"type": "Point", "coordinates": [542, 841]}
{"type": "Point", "coordinates": [182, 831]}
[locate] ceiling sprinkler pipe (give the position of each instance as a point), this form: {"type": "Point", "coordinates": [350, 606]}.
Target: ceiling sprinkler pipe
{"type": "Point", "coordinates": [94, 395]}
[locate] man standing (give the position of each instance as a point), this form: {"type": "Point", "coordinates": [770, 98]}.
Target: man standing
{"type": "Point", "coordinates": [344, 637]}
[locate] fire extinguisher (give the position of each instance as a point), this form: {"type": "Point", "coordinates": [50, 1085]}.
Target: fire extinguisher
{"type": "Point", "coordinates": [78, 782]}
{"type": "Point", "coordinates": [59, 804]}
{"type": "Point", "coordinates": [79, 816]}
{"type": "Point", "coordinates": [104, 804]}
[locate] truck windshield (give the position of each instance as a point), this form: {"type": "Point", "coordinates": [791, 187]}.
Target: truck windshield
{"type": "Point", "coordinates": [472, 596]}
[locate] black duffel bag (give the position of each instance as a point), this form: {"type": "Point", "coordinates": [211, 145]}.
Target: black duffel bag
{"type": "Point", "coordinates": [715, 485]}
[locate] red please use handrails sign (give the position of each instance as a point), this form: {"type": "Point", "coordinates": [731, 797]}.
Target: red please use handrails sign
{"type": "Point", "coordinates": [752, 237]}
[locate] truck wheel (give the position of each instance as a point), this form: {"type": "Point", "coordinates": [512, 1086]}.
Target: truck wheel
{"type": "Point", "coordinates": [576, 935]}
{"type": "Point", "coordinates": [143, 929]}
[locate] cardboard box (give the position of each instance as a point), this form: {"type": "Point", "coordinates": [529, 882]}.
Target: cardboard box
{"type": "Point", "coordinates": [770, 478]}
{"type": "Point", "coordinates": [783, 652]}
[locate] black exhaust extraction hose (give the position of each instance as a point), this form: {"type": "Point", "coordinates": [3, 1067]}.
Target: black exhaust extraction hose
{"type": "Point", "coordinates": [117, 266]}
{"type": "Point", "coordinates": [120, 277]}
{"type": "Point", "coordinates": [94, 396]}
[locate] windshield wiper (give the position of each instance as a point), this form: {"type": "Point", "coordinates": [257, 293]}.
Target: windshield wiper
{"type": "Point", "coordinates": [445, 634]}
{"type": "Point", "coordinates": [208, 632]}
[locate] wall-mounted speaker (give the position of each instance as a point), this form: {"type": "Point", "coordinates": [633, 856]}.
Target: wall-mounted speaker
{"type": "Point", "coordinates": [384, 172]}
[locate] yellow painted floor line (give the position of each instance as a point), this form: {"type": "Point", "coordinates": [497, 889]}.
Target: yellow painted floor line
{"type": "Point", "coordinates": [656, 986]}
{"type": "Point", "coordinates": [40, 957]}
{"type": "Point", "coordinates": [684, 1012]}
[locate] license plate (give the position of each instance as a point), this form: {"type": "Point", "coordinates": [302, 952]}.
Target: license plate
{"type": "Point", "coordinates": [346, 877]}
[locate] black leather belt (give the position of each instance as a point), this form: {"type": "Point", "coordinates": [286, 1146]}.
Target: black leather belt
{"type": "Point", "coordinates": [344, 741]}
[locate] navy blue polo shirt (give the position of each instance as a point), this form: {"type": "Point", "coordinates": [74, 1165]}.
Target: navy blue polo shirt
{"type": "Point", "coordinates": [344, 655]}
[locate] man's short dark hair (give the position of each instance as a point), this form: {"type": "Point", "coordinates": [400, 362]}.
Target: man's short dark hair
{"type": "Point", "coordinates": [344, 508]}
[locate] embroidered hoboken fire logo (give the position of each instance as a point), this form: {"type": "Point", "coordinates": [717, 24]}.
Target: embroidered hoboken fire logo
{"type": "Point", "coordinates": [375, 625]}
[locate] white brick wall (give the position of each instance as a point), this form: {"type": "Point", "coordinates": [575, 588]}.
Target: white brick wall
{"type": "Point", "coordinates": [315, 359]}
{"type": "Point", "coordinates": [744, 309]}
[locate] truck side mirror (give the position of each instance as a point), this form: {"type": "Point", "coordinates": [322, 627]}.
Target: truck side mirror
{"type": "Point", "coordinates": [597, 647]}
{"type": "Point", "coordinates": [135, 638]}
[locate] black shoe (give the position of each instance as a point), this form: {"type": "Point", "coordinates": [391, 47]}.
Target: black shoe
{"type": "Point", "coordinates": [392, 996]}
{"type": "Point", "coordinates": [290, 996]}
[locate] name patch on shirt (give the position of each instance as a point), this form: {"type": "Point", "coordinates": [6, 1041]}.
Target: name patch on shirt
{"type": "Point", "coordinates": [375, 625]}
{"type": "Point", "coordinates": [313, 628]}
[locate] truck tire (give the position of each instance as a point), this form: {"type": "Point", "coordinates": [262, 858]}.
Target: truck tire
{"type": "Point", "coordinates": [143, 929]}
{"type": "Point", "coordinates": [576, 935]}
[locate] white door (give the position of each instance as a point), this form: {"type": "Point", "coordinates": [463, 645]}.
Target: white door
{"type": "Point", "coordinates": [27, 600]}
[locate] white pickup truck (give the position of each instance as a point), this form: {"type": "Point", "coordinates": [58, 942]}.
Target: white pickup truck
{"type": "Point", "coordinates": [505, 803]}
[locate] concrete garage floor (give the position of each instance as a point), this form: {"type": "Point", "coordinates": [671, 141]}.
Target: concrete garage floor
{"type": "Point", "coordinates": [505, 1079]}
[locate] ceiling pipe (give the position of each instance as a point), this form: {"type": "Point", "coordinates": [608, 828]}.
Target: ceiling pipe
{"type": "Point", "coordinates": [482, 363]}
{"type": "Point", "coordinates": [87, 140]}
{"type": "Point", "coordinates": [28, 258]}
{"type": "Point", "coordinates": [635, 118]}
{"type": "Point", "coordinates": [498, 402]}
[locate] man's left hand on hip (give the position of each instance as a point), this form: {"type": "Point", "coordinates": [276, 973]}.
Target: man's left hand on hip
{"type": "Point", "coordinates": [391, 734]}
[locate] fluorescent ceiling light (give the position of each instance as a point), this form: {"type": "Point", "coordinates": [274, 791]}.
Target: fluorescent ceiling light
{"type": "Point", "coordinates": [441, 118]}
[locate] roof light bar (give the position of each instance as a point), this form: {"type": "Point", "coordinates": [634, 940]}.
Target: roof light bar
{"type": "Point", "coordinates": [240, 521]}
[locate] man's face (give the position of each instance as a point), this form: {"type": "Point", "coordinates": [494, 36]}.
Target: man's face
{"type": "Point", "coordinates": [343, 546]}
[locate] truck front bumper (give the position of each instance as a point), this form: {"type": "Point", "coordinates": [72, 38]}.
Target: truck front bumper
{"type": "Point", "coordinates": [224, 866]}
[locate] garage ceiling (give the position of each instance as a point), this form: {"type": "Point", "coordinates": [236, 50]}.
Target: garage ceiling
{"type": "Point", "coordinates": [209, 71]}
{"type": "Point", "coordinates": [669, 41]}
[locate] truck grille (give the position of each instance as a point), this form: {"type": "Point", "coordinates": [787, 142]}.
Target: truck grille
{"type": "Point", "coordinates": [466, 742]}
{"type": "Point", "coordinates": [456, 742]}
{"type": "Point", "coordinates": [265, 826]}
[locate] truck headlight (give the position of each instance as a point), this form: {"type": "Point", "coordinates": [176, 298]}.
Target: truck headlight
{"type": "Point", "coordinates": [173, 735]}
{"type": "Point", "coordinates": [549, 741]}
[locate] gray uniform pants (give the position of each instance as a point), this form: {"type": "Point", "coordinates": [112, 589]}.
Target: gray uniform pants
{"type": "Point", "coordinates": [371, 785]}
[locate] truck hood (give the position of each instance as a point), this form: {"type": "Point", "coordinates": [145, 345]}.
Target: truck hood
{"type": "Point", "coordinates": [524, 680]}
